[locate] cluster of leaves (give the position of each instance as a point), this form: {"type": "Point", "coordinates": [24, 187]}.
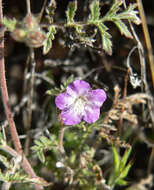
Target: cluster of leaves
{"type": "Point", "coordinates": [44, 144]}
{"type": "Point", "coordinates": [121, 168]}
{"type": "Point", "coordinates": [12, 172]}
{"type": "Point", "coordinates": [81, 169]}
{"type": "Point", "coordinates": [35, 37]}
{"type": "Point", "coordinates": [55, 91]}
{"type": "Point", "coordinates": [113, 15]}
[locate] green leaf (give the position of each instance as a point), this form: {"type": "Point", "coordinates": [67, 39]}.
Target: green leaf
{"type": "Point", "coordinates": [9, 23]}
{"type": "Point", "coordinates": [68, 81]}
{"type": "Point", "coordinates": [115, 159]}
{"type": "Point", "coordinates": [53, 92]}
{"type": "Point", "coordinates": [125, 171]}
{"type": "Point", "coordinates": [50, 10]}
{"type": "Point", "coordinates": [95, 10]}
{"type": "Point", "coordinates": [121, 182]}
{"type": "Point", "coordinates": [41, 156]}
{"type": "Point", "coordinates": [49, 37]}
{"type": "Point", "coordinates": [115, 7]}
{"type": "Point", "coordinates": [106, 42]}
{"type": "Point", "coordinates": [38, 143]}
{"type": "Point", "coordinates": [70, 13]}
{"type": "Point", "coordinates": [130, 14]}
{"type": "Point", "coordinates": [4, 160]}
{"type": "Point", "coordinates": [123, 28]}
{"type": "Point", "coordinates": [125, 158]}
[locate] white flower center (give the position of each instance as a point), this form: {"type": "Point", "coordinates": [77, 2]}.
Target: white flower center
{"type": "Point", "coordinates": [79, 105]}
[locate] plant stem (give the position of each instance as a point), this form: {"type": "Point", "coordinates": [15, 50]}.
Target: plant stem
{"type": "Point", "coordinates": [61, 135]}
{"type": "Point", "coordinates": [4, 92]}
{"type": "Point", "coordinates": [28, 7]}
{"type": "Point", "coordinates": [24, 163]}
{"type": "Point", "coordinates": [30, 102]}
{"type": "Point", "coordinates": [147, 38]}
{"type": "Point", "coordinates": [150, 163]}
{"type": "Point", "coordinates": [5, 97]}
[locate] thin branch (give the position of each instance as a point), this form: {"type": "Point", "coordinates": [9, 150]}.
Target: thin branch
{"type": "Point", "coordinates": [150, 163]}
{"type": "Point", "coordinates": [4, 91]}
{"type": "Point", "coordinates": [123, 108]}
{"type": "Point", "coordinates": [10, 119]}
{"type": "Point", "coordinates": [42, 10]}
{"type": "Point", "coordinates": [147, 38]}
{"type": "Point", "coordinates": [28, 7]}
{"type": "Point", "coordinates": [24, 163]}
{"type": "Point", "coordinates": [143, 70]}
{"type": "Point", "coordinates": [30, 102]}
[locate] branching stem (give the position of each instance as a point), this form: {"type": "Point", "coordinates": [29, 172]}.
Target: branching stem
{"type": "Point", "coordinates": [10, 119]}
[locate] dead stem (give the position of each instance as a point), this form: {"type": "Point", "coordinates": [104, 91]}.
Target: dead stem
{"type": "Point", "coordinates": [42, 10]}
{"type": "Point", "coordinates": [150, 163]}
{"type": "Point", "coordinates": [123, 108]}
{"type": "Point", "coordinates": [147, 38]}
{"type": "Point", "coordinates": [30, 101]}
{"type": "Point", "coordinates": [143, 70]}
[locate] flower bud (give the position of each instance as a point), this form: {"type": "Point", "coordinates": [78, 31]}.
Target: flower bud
{"type": "Point", "coordinates": [19, 35]}
{"type": "Point", "coordinates": [35, 38]}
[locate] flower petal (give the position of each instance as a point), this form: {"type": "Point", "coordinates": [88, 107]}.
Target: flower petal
{"type": "Point", "coordinates": [63, 100]}
{"type": "Point", "coordinates": [78, 87]}
{"type": "Point", "coordinates": [97, 97]}
{"type": "Point", "coordinates": [91, 114]}
{"type": "Point", "coordinates": [69, 117]}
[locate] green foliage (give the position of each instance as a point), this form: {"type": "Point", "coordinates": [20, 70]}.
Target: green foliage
{"type": "Point", "coordinates": [121, 168]}
{"type": "Point", "coordinates": [48, 41]}
{"type": "Point", "coordinates": [55, 91]}
{"type": "Point", "coordinates": [2, 140]}
{"type": "Point", "coordinates": [95, 11]}
{"type": "Point", "coordinates": [70, 13]}
{"type": "Point", "coordinates": [4, 161]}
{"type": "Point", "coordinates": [44, 144]}
{"type": "Point", "coordinates": [13, 173]}
{"type": "Point", "coordinates": [50, 10]}
{"type": "Point", "coordinates": [38, 37]}
{"type": "Point", "coordinates": [115, 17]}
{"type": "Point", "coordinates": [17, 177]}
{"type": "Point", "coordinates": [9, 23]}
{"type": "Point", "coordinates": [106, 42]}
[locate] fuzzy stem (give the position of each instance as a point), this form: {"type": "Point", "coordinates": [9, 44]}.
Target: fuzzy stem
{"type": "Point", "coordinates": [61, 135]}
{"type": "Point", "coordinates": [4, 92]}
{"type": "Point", "coordinates": [5, 97]}
{"type": "Point", "coordinates": [28, 7]}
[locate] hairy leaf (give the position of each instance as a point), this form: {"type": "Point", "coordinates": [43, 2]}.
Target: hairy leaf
{"type": "Point", "coordinates": [123, 28]}
{"type": "Point", "coordinates": [130, 14]}
{"type": "Point", "coordinates": [95, 10]}
{"type": "Point", "coordinates": [48, 42]}
{"type": "Point", "coordinates": [106, 42]}
{"type": "Point", "coordinates": [70, 13]}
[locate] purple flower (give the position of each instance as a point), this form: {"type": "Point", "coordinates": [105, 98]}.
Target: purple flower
{"type": "Point", "coordinates": [79, 102]}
